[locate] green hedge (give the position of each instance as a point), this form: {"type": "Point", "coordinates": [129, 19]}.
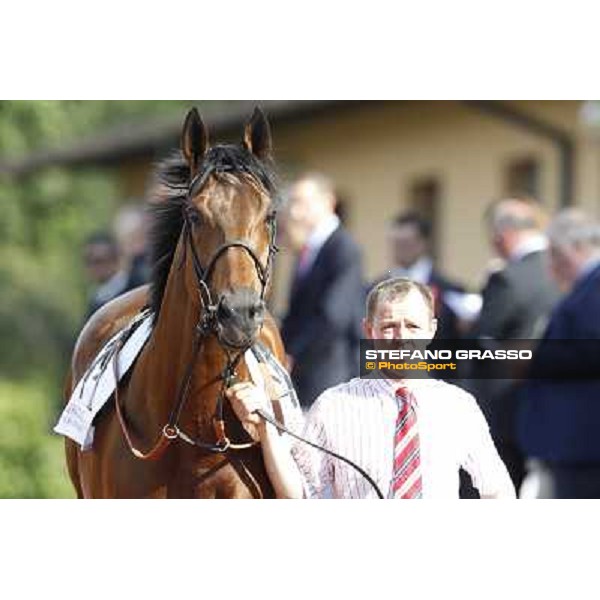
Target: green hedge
{"type": "Point", "coordinates": [32, 463]}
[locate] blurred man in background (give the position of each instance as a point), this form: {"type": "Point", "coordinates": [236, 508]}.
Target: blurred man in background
{"type": "Point", "coordinates": [131, 229]}
{"type": "Point", "coordinates": [517, 300]}
{"type": "Point", "coordinates": [409, 242]}
{"type": "Point", "coordinates": [102, 263]}
{"type": "Point", "coordinates": [321, 330]}
{"type": "Point", "coordinates": [117, 264]}
{"type": "Point", "coordinates": [559, 420]}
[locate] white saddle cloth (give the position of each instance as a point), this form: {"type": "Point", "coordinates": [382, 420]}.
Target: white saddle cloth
{"type": "Point", "coordinates": [98, 384]}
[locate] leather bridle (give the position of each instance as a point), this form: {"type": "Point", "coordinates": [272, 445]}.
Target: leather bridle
{"type": "Point", "coordinates": [208, 323]}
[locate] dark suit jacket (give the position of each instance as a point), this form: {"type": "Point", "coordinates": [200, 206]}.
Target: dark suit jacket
{"type": "Point", "coordinates": [139, 272]}
{"type": "Point", "coordinates": [447, 320]}
{"type": "Point", "coordinates": [516, 304]}
{"type": "Point", "coordinates": [560, 420]}
{"type": "Point", "coordinates": [517, 300]}
{"type": "Point", "coordinates": [322, 329]}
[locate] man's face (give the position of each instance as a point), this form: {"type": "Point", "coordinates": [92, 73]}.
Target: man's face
{"type": "Point", "coordinates": [305, 209]}
{"type": "Point", "coordinates": [101, 262]}
{"type": "Point", "coordinates": [293, 233]}
{"type": "Point", "coordinates": [503, 242]}
{"type": "Point", "coordinates": [406, 319]}
{"type": "Point", "coordinates": [407, 245]}
{"type": "Point", "coordinates": [563, 266]}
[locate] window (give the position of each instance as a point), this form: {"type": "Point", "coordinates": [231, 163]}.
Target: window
{"type": "Point", "coordinates": [424, 196]}
{"type": "Point", "coordinates": [522, 177]}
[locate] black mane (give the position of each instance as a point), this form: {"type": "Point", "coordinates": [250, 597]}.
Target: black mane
{"type": "Point", "coordinates": [169, 197]}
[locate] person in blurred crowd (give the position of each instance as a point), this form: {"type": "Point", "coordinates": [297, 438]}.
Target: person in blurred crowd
{"type": "Point", "coordinates": [321, 329]}
{"type": "Point", "coordinates": [410, 435]}
{"type": "Point", "coordinates": [517, 300]}
{"type": "Point", "coordinates": [559, 420]}
{"type": "Point", "coordinates": [131, 230]}
{"type": "Point", "coordinates": [102, 262]}
{"type": "Point", "coordinates": [409, 240]}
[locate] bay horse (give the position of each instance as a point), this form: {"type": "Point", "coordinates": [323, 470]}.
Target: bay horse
{"type": "Point", "coordinates": [169, 432]}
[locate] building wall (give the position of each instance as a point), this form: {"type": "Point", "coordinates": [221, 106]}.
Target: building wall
{"type": "Point", "coordinates": [375, 153]}
{"type": "Point", "coordinates": [134, 176]}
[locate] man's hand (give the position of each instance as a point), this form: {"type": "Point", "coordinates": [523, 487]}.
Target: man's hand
{"type": "Point", "coordinates": [245, 398]}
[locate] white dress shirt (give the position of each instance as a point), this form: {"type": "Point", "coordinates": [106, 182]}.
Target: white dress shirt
{"type": "Point", "coordinates": [419, 271]}
{"type": "Point", "coordinates": [317, 239]}
{"type": "Point", "coordinates": [357, 420]}
{"type": "Point", "coordinates": [534, 243]}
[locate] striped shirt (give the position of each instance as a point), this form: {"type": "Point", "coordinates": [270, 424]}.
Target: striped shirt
{"type": "Point", "coordinates": [357, 419]}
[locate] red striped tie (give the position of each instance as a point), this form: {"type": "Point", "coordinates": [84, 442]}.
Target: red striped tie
{"type": "Point", "coordinates": [406, 479]}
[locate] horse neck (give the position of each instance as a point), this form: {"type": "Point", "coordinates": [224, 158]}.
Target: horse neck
{"type": "Point", "coordinates": [170, 350]}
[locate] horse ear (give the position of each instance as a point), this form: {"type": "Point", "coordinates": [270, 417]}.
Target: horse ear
{"type": "Point", "coordinates": [194, 140]}
{"type": "Point", "coordinates": [257, 135]}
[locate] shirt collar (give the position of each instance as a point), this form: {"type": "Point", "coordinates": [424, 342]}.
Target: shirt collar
{"type": "Point", "coordinates": [420, 271]}
{"type": "Point", "coordinates": [533, 243]}
{"type": "Point", "coordinates": [588, 266]}
{"type": "Point", "coordinates": [389, 386]}
{"type": "Point", "coordinates": [321, 233]}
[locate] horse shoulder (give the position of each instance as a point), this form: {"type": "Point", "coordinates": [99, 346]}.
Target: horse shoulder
{"type": "Point", "coordinates": [102, 325]}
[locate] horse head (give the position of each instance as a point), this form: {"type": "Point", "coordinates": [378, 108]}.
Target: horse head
{"type": "Point", "coordinates": [229, 228]}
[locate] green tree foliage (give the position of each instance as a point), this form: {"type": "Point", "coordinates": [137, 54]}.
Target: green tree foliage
{"type": "Point", "coordinates": [32, 461]}
{"type": "Point", "coordinates": [44, 219]}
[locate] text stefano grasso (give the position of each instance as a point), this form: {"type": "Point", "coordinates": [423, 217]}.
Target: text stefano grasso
{"type": "Point", "coordinates": [499, 354]}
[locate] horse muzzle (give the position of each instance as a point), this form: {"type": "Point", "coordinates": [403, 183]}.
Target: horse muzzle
{"type": "Point", "coordinates": [240, 315]}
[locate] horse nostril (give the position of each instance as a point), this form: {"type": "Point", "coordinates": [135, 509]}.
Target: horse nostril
{"type": "Point", "coordinates": [256, 310]}
{"type": "Point", "coordinates": [223, 311]}
{"type": "Point", "coordinates": [240, 310]}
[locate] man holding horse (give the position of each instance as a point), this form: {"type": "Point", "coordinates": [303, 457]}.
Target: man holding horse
{"type": "Point", "coordinates": [169, 432]}
{"type": "Point", "coordinates": [411, 436]}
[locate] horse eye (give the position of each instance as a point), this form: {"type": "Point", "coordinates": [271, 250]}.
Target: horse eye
{"type": "Point", "coordinates": [194, 215]}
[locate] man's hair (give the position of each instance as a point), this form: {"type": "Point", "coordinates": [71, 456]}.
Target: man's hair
{"type": "Point", "coordinates": [396, 288]}
{"type": "Point", "coordinates": [103, 238]}
{"type": "Point", "coordinates": [573, 227]}
{"type": "Point", "coordinates": [421, 224]}
{"type": "Point", "coordinates": [516, 213]}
